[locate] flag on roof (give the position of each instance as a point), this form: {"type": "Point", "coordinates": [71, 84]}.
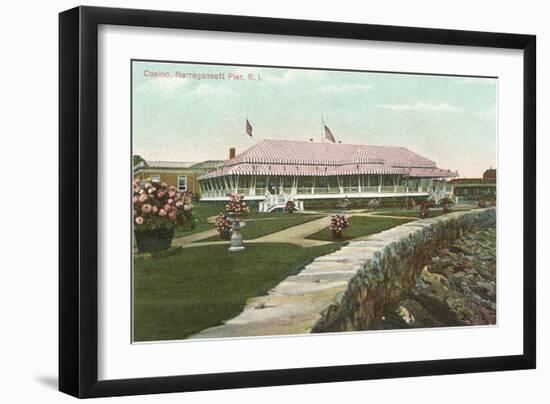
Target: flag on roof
{"type": "Point", "coordinates": [248, 128]}
{"type": "Point", "coordinates": [328, 135]}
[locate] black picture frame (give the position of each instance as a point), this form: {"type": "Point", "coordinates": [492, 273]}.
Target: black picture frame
{"type": "Point", "coordinates": [78, 181]}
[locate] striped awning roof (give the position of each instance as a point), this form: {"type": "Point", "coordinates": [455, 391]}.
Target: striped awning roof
{"type": "Point", "coordinates": [290, 157]}
{"type": "Point", "coordinates": [302, 170]}
{"type": "Point", "coordinates": [271, 151]}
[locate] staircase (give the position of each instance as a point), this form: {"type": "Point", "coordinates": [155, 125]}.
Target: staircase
{"type": "Point", "coordinates": [274, 202]}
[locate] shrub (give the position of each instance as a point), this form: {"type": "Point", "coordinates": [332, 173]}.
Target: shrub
{"type": "Point", "coordinates": [236, 204]}
{"type": "Point", "coordinates": [481, 203]}
{"type": "Point", "coordinates": [222, 225]}
{"type": "Point", "coordinates": [446, 203]}
{"type": "Point", "coordinates": [337, 224]}
{"type": "Point", "coordinates": [424, 209]}
{"type": "Point", "coordinates": [290, 206]}
{"type": "Point", "coordinates": [344, 204]}
{"type": "Point", "coordinates": [373, 204]}
{"type": "Point", "coordinates": [158, 207]}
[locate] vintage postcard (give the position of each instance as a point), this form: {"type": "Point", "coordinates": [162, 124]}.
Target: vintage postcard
{"type": "Point", "coordinates": [271, 201]}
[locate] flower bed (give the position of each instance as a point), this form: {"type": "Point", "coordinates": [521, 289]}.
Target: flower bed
{"type": "Point", "coordinates": [337, 224]}
{"type": "Point", "coordinates": [222, 225]}
{"type": "Point", "coordinates": [158, 208]}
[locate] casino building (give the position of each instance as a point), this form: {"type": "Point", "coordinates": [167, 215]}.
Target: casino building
{"type": "Point", "coordinates": [275, 171]}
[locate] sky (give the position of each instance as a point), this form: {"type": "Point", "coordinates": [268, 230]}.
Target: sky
{"type": "Point", "coordinates": [178, 116]}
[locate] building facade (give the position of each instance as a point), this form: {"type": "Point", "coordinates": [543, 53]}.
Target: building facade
{"type": "Point", "coordinates": [475, 188]}
{"type": "Point", "coordinates": [274, 171]}
{"type": "Point", "coordinates": [179, 174]}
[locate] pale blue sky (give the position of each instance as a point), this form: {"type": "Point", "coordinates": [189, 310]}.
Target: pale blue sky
{"type": "Point", "coordinates": [451, 120]}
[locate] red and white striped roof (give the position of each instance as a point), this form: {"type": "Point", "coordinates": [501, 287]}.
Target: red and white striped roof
{"type": "Point", "coordinates": [292, 157]}
{"type": "Point", "coordinates": [299, 152]}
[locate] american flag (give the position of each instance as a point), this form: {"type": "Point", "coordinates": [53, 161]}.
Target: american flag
{"type": "Point", "coordinates": [248, 128]}
{"type": "Point", "coordinates": [328, 135]}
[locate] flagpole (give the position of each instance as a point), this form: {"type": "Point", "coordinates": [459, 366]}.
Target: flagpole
{"type": "Point", "coordinates": [322, 128]}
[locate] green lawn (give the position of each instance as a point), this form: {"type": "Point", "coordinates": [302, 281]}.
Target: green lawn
{"type": "Point", "coordinates": [202, 286]}
{"type": "Point", "coordinates": [201, 212]}
{"type": "Point", "coordinates": [269, 223]}
{"type": "Point", "coordinates": [414, 212]}
{"type": "Point", "coordinates": [360, 226]}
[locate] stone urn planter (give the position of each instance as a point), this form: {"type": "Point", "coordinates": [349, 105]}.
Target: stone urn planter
{"type": "Point", "coordinates": [154, 240]}
{"type": "Point", "coordinates": [236, 237]}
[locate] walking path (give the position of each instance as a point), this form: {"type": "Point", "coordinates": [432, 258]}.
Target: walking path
{"type": "Point", "coordinates": [294, 235]}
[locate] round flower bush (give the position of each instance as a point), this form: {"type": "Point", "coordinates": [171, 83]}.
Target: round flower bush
{"type": "Point", "coordinates": [446, 203]}
{"type": "Point", "coordinates": [222, 225]}
{"type": "Point", "coordinates": [158, 208]}
{"type": "Point", "coordinates": [481, 204]}
{"type": "Point", "coordinates": [236, 204]}
{"type": "Point", "coordinates": [424, 209]}
{"type": "Point", "coordinates": [373, 204]}
{"type": "Point", "coordinates": [337, 224]}
{"type": "Point", "coordinates": [290, 206]}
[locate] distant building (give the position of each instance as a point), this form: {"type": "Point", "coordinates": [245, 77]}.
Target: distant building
{"type": "Point", "coordinates": [475, 188]}
{"type": "Point", "coordinates": [490, 175]}
{"type": "Point", "coordinates": [179, 174]}
{"type": "Point", "coordinates": [278, 170]}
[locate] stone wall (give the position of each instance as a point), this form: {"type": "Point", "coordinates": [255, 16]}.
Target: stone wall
{"type": "Point", "coordinates": [389, 265]}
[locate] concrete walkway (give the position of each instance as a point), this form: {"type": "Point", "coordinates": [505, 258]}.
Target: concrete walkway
{"type": "Point", "coordinates": [295, 235]}
{"type": "Point", "coordinates": [181, 241]}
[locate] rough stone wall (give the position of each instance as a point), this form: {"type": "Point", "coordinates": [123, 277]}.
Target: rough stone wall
{"type": "Point", "coordinates": [393, 260]}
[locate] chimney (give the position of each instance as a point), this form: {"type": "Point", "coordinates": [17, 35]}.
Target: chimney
{"type": "Point", "coordinates": [231, 152]}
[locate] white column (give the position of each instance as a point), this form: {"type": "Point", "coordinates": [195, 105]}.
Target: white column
{"type": "Point", "coordinates": [339, 184]}
{"type": "Point", "coordinates": [252, 186]}
{"type": "Point", "coordinates": [380, 183]}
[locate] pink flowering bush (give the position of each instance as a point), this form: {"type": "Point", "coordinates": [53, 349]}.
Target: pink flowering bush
{"type": "Point", "coordinates": [337, 224]}
{"type": "Point", "coordinates": [222, 225]}
{"type": "Point", "coordinates": [158, 208]}
{"type": "Point", "coordinates": [236, 204]}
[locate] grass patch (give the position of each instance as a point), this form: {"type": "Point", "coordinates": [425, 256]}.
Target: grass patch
{"type": "Point", "coordinates": [415, 212]}
{"type": "Point", "coordinates": [201, 212]}
{"type": "Point", "coordinates": [199, 288]}
{"type": "Point", "coordinates": [269, 223]}
{"type": "Point", "coordinates": [360, 226]}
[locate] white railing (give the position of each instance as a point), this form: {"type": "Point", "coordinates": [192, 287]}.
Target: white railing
{"type": "Point", "coordinates": [333, 190]}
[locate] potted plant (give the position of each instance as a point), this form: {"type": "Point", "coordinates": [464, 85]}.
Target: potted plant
{"type": "Point", "coordinates": [424, 209]}
{"type": "Point", "coordinates": [222, 225]}
{"type": "Point", "coordinates": [446, 203]}
{"type": "Point", "coordinates": [235, 208]}
{"type": "Point", "coordinates": [290, 206]}
{"type": "Point", "coordinates": [373, 204]}
{"type": "Point", "coordinates": [481, 204]}
{"type": "Point", "coordinates": [158, 208]}
{"type": "Point", "coordinates": [337, 224]}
